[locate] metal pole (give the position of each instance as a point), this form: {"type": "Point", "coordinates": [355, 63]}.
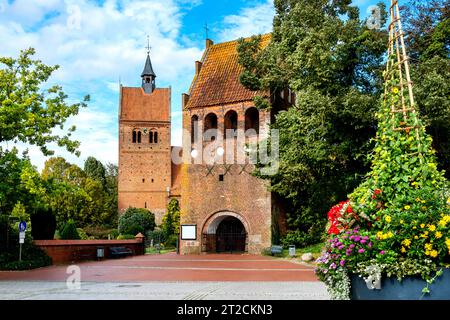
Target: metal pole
{"type": "Point", "coordinates": [20, 252]}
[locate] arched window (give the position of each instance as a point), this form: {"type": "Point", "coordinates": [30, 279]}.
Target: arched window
{"type": "Point", "coordinates": [230, 123]}
{"type": "Point", "coordinates": [210, 127]}
{"type": "Point", "coordinates": [134, 136]}
{"type": "Point", "coordinates": [252, 120]}
{"type": "Point", "coordinates": [153, 136]}
{"type": "Point", "coordinates": [139, 137]}
{"type": "Point", "coordinates": [194, 129]}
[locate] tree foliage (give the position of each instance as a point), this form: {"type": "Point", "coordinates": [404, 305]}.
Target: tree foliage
{"type": "Point", "coordinates": [334, 66]}
{"type": "Point", "coordinates": [135, 220]}
{"type": "Point", "coordinates": [28, 112]}
{"type": "Point", "coordinates": [427, 28]}
{"type": "Point", "coordinates": [334, 63]}
{"type": "Point", "coordinates": [95, 170]}
{"type": "Point", "coordinates": [171, 220]}
{"type": "Point", "coordinates": [69, 231]}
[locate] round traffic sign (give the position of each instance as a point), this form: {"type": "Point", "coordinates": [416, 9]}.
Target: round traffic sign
{"type": "Point", "coordinates": [22, 226]}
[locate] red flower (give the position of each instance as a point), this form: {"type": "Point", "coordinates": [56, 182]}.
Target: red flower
{"type": "Point", "coordinates": [334, 214]}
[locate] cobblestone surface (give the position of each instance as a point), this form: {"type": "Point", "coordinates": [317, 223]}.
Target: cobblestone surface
{"type": "Point", "coordinates": [37, 290]}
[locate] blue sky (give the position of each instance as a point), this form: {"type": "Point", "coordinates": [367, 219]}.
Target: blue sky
{"type": "Point", "coordinates": [96, 43]}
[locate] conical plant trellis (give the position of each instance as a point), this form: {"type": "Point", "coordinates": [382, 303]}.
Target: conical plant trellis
{"type": "Point", "coordinates": [403, 160]}
{"type": "Point", "coordinates": [397, 221]}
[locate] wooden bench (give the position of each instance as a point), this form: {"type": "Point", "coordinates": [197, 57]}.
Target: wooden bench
{"type": "Point", "coordinates": [83, 254]}
{"type": "Point", "coordinates": [276, 250]}
{"type": "Point", "coordinates": [117, 252]}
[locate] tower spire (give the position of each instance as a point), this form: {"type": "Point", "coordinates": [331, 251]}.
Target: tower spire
{"type": "Point", "coordinates": [148, 75]}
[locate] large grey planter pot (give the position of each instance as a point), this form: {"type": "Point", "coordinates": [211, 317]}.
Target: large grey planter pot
{"type": "Point", "coordinates": [410, 288]}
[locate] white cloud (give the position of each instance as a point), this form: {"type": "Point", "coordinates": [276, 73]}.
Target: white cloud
{"type": "Point", "coordinates": [95, 45]}
{"type": "Point", "coordinates": [256, 19]}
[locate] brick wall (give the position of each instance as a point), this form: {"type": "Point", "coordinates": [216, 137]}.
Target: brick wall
{"type": "Point", "coordinates": [68, 251]}
{"type": "Point", "coordinates": [240, 194]}
{"type": "Point", "coordinates": [145, 168]}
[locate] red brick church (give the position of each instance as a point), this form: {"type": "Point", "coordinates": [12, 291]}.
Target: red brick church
{"type": "Point", "coordinates": [230, 209]}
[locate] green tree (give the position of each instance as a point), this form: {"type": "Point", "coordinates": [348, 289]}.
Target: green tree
{"type": "Point", "coordinates": [171, 220]}
{"type": "Point", "coordinates": [69, 231]}
{"type": "Point", "coordinates": [95, 170]}
{"type": "Point", "coordinates": [427, 26]}
{"type": "Point", "coordinates": [28, 112]}
{"type": "Point", "coordinates": [111, 178]}
{"type": "Point", "coordinates": [136, 220]}
{"type": "Point", "coordinates": [12, 190]}
{"type": "Point", "coordinates": [333, 62]}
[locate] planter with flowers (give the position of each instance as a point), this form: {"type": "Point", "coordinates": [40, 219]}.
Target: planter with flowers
{"type": "Point", "coordinates": [391, 239]}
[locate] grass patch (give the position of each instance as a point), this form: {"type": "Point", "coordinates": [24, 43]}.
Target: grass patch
{"type": "Point", "coordinates": [156, 251]}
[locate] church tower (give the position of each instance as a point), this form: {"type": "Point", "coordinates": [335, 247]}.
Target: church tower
{"type": "Point", "coordinates": [144, 145]}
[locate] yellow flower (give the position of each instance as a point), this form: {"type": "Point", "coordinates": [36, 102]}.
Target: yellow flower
{"type": "Point", "coordinates": [388, 219]}
{"type": "Point", "coordinates": [403, 250]}
{"type": "Point", "coordinates": [422, 225]}
{"type": "Point", "coordinates": [379, 234]}
{"type": "Point", "coordinates": [428, 246]}
{"type": "Point", "coordinates": [406, 242]}
{"type": "Point", "coordinates": [390, 234]}
{"type": "Point", "coordinates": [423, 201]}
{"type": "Point", "coordinates": [416, 237]}
{"type": "Point", "coordinates": [418, 199]}
{"type": "Point", "coordinates": [438, 234]}
{"type": "Point", "coordinates": [395, 90]}
{"type": "Point", "coordinates": [433, 253]}
{"type": "Point", "coordinates": [407, 207]}
{"type": "Point", "coordinates": [432, 227]}
{"type": "Point", "coordinates": [401, 221]}
{"type": "Point", "coordinates": [447, 243]}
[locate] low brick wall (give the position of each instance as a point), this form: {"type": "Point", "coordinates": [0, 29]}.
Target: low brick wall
{"type": "Point", "coordinates": [68, 251]}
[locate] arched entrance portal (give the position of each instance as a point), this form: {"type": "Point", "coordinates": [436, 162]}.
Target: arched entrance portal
{"type": "Point", "coordinates": [225, 232]}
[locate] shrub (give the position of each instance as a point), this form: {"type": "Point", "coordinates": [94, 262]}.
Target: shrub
{"type": "Point", "coordinates": [57, 235]}
{"type": "Point", "coordinates": [171, 241]}
{"type": "Point", "coordinates": [101, 232]}
{"type": "Point", "coordinates": [125, 237]}
{"type": "Point", "coordinates": [157, 235]}
{"type": "Point", "coordinates": [136, 220]}
{"type": "Point", "coordinates": [69, 231]}
{"type": "Point", "coordinates": [114, 233]}
{"type": "Point", "coordinates": [32, 256]}
{"type": "Point", "coordinates": [83, 235]}
{"type": "Point", "coordinates": [298, 238]}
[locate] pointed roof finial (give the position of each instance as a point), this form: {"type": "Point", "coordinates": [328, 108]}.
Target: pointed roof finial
{"type": "Point", "coordinates": [148, 45]}
{"type": "Point", "coordinates": [148, 69]}
{"type": "Point", "coordinates": [206, 30]}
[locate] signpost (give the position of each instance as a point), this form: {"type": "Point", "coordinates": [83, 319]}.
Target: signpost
{"type": "Point", "coordinates": [22, 229]}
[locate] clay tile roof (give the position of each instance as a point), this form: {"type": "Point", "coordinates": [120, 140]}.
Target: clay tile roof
{"type": "Point", "coordinates": [218, 80]}
{"type": "Point", "coordinates": [136, 105]}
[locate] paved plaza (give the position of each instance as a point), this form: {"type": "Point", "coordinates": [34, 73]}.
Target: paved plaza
{"type": "Point", "coordinates": [169, 276]}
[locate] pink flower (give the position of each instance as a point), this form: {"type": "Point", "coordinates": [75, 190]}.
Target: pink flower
{"type": "Point", "coordinates": [342, 262]}
{"type": "Point", "coordinates": [360, 250]}
{"type": "Point", "coordinates": [382, 252]}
